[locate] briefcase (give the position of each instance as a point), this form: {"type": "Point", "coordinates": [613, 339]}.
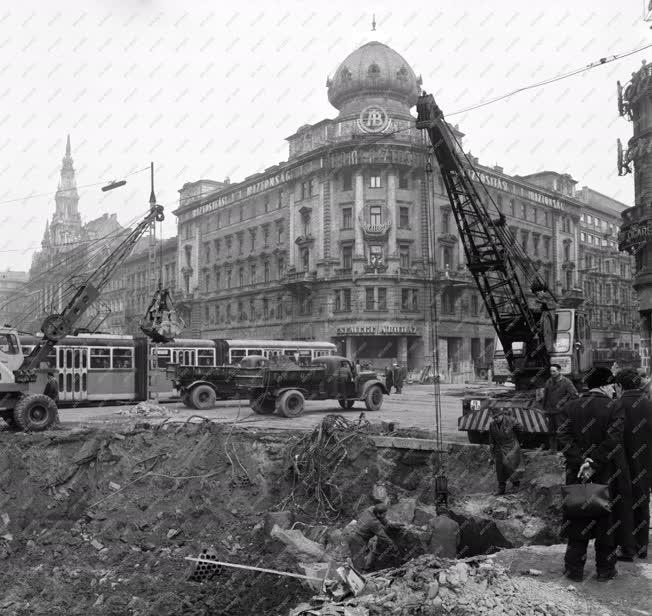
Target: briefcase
{"type": "Point", "coordinates": [585, 500]}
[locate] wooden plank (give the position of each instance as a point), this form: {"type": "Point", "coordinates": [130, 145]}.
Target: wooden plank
{"type": "Point", "coordinates": [402, 442]}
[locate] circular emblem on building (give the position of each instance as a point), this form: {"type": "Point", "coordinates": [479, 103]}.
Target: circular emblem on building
{"type": "Point", "coordinates": [373, 119]}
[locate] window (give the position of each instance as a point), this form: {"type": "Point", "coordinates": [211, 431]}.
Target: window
{"type": "Point", "coordinates": [566, 251]}
{"type": "Point", "coordinates": [524, 238]}
{"type": "Point", "coordinates": [305, 219]}
{"type": "Point", "coordinates": [228, 278]}
{"type": "Point", "coordinates": [512, 207]}
{"type": "Point", "coordinates": [569, 279]}
{"type": "Point", "coordinates": [375, 255]}
{"type": "Point", "coordinates": [499, 202]}
{"type": "Point", "coordinates": [240, 313]}
{"type": "Point", "coordinates": [546, 247]}
{"type": "Point", "coordinates": [240, 243]}
{"type": "Point", "coordinates": [241, 277]}
{"type": "Point", "coordinates": [305, 259]}
{"type": "Point", "coordinates": [188, 251]}
{"type": "Point", "coordinates": [266, 205]}
{"type": "Point", "coordinates": [252, 237]}
{"type": "Point", "coordinates": [404, 217]}
{"type": "Point", "coordinates": [207, 283]}
{"type": "Point", "coordinates": [474, 305]}
{"type": "Point", "coordinates": [343, 300]}
{"type": "Point", "coordinates": [229, 244]}
{"type": "Point", "coordinates": [347, 257]}
{"type": "Point", "coordinates": [404, 256]}
{"type": "Point", "coordinates": [409, 299]}
{"type": "Point", "coordinates": [205, 357]}
{"type": "Point", "coordinates": [445, 222]}
{"type": "Point", "coordinates": [347, 179]}
{"type": "Point", "coordinates": [281, 266]}
{"type": "Point", "coordinates": [279, 234]}
{"type": "Point", "coordinates": [100, 358]}
{"type": "Point", "coordinates": [403, 182]}
{"type": "Point", "coordinates": [265, 308]}
{"type": "Point", "coordinates": [347, 218]}
{"type": "Point", "coordinates": [583, 236]}
{"type": "Point", "coordinates": [374, 181]}
{"type": "Point", "coordinates": [279, 203]}
{"type": "Point", "coordinates": [545, 219]}
{"type": "Point", "coordinates": [252, 310]}
{"type": "Point", "coordinates": [122, 358]}
{"type": "Point", "coordinates": [447, 254]}
{"type": "Point", "coordinates": [448, 302]}
{"type": "Point", "coordinates": [266, 271]}
{"type": "Point", "coordinates": [375, 215]}
{"type": "Point", "coordinates": [535, 245]}
{"type": "Point", "coordinates": [370, 299]}
{"type": "Point", "coordinates": [535, 215]}
{"type": "Point", "coordinates": [523, 211]}
{"type": "Point", "coordinates": [207, 252]}
{"type": "Point", "coordinates": [217, 246]}
{"type": "Point", "coordinates": [9, 344]}
{"type": "Point", "coordinates": [242, 207]}
{"type": "Point", "coordinates": [382, 298]}
{"type": "Point", "coordinates": [252, 274]}
{"type": "Point", "coordinates": [279, 307]}
{"type": "Point", "coordinates": [206, 313]}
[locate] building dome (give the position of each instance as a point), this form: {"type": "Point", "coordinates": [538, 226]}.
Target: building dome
{"type": "Point", "coordinates": [373, 70]}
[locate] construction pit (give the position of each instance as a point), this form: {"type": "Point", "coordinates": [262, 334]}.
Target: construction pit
{"type": "Point", "coordinates": [101, 521]}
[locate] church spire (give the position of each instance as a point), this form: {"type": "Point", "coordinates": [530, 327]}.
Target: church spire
{"type": "Point", "coordinates": [68, 147]}
{"type": "Point", "coordinates": [66, 222]}
{"type": "Point", "coordinates": [46, 236]}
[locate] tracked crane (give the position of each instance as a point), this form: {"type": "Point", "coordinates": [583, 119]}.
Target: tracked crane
{"type": "Point", "coordinates": [22, 381]}
{"type": "Point", "coordinates": [533, 328]}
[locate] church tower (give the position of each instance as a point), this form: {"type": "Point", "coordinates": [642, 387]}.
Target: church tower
{"type": "Point", "coordinates": [66, 222]}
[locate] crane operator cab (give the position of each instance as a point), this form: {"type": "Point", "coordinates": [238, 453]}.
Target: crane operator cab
{"type": "Point", "coordinates": [572, 348]}
{"type": "Point", "coordinates": [11, 355]}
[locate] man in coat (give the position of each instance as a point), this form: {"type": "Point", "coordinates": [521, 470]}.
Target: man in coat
{"type": "Point", "coordinates": [505, 448]}
{"type": "Point", "coordinates": [372, 522]}
{"type": "Point", "coordinates": [52, 387]}
{"type": "Point", "coordinates": [637, 409]}
{"type": "Point", "coordinates": [591, 440]}
{"type": "Point", "coordinates": [557, 391]}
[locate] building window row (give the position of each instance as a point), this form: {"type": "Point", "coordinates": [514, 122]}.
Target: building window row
{"type": "Point", "coordinates": [245, 277]}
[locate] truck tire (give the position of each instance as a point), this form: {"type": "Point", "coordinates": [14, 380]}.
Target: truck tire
{"type": "Point", "coordinates": [373, 399]}
{"type": "Point", "coordinates": [203, 397]}
{"type": "Point", "coordinates": [346, 404]}
{"type": "Point", "coordinates": [291, 403]}
{"type": "Point", "coordinates": [35, 413]}
{"type": "Point", "coordinates": [262, 406]}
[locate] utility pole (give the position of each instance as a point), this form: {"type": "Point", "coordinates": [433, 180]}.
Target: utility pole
{"type": "Point", "coordinates": [152, 365]}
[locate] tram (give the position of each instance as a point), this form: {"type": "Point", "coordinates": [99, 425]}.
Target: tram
{"type": "Point", "coordinates": [106, 367]}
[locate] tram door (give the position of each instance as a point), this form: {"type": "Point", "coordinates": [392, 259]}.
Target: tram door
{"type": "Point", "coordinates": [73, 374]}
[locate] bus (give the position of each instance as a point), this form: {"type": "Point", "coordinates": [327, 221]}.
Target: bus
{"type": "Point", "coordinates": [107, 367]}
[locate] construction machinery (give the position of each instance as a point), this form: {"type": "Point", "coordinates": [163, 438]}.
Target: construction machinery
{"type": "Point", "coordinates": [535, 330]}
{"type": "Point", "coordinates": [23, 404]}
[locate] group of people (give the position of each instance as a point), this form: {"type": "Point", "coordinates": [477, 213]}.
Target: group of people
{"type": "Point", "coordinates": [605, 436]}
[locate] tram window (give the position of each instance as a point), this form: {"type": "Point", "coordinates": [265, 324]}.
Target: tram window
{"type": "Point", "coordinates": [76, 356]}
{"type": "Point", "coordinates": [84, 382]}
{"type": "Point", "coordinates": [69, 358]}
{"type": "Point", "coordinates": [237, 355]}
{"type": "Point", "coordinates": [8, 344]}
{"type": "Point", "coordinates": [254, 351]}
{"type": "Point", "coordinates": [84, 356]}
{"type": "Point", "coordinates": [122, 358]}
{"type": "Point", "coordinates": [69, 382]}
{"type": "Point", "coordinates": [61, 358]}
{"type": "Point", "coordinates": [163, 358]}
{"type": "Point", "coordinates": [61, 381]}
{"type": "Point", "coordinates": [77, 381]}
{"type": "Point", "coordinates": [205, 357]}
{"type": "Point", "coordinates": [51, 359]}
{"type": "Point", "coordinates": [100, 358]}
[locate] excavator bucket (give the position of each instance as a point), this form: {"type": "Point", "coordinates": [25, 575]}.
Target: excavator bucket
{"type": "Point", "coordinates": [161, 323]}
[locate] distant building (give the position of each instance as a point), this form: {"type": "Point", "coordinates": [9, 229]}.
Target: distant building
{"type": "Point", "coordinates": [334, 243]}
{"type": "Point", "coordinates": [14, 299]}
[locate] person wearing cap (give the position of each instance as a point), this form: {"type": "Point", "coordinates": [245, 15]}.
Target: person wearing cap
{"type": "Point", "coordinates": [372, 522]}
{"type": "Point", "coordinates": [505, 448]}
{"type": "Point", "coordinates": [637, 410]}
{"type": "Point", "coordinates": [52, 387]}
{"type": "Point", "coordinates": [591, 439]}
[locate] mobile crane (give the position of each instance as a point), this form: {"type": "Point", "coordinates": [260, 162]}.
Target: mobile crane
{"type": "Point", "coordinates": [23, 404]}
{"type": "Point", "coordinates": [533, 334]}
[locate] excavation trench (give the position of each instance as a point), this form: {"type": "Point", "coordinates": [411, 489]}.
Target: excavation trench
{"type": "Point", "coordinates": [101, 521]}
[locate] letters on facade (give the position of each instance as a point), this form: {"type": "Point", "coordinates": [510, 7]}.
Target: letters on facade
{"type": "Point", "coordinates": [635, 234]}
{"type": "Point", "coordinates": [378, 330]}
{"type": "Point", "coordinates": [526, 193]}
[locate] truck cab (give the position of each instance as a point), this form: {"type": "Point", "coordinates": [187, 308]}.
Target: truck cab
{"type": "Point", "coordinates": [11, 354]}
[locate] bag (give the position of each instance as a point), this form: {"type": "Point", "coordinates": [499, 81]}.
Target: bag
{"type": "Point", "coordinates": [585, 500]}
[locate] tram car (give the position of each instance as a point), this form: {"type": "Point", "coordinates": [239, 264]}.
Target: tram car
{"type": "Point", "coordinates": [106, 367]}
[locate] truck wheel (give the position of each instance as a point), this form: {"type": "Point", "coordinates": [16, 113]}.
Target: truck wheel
{"type": "Point", "coordinates": [262, 406]}
{"type": "Point", "coordinates": [373, 399]}
{"type": "Point", "coordinates": [35, 413]}
{"type": "Point", "coordinates": [291, 404]}
{"type": "Point", "coordinates": [346, 404]}
{"type": "Point", "coordinates": [203, 397]}
{"type": "Point", "coordinates": [187, 401]}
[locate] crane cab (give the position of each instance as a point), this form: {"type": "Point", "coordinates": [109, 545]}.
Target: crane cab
{"type": "Point", "coordinates": [11, 354]}
{"type": "Point", "coordinates": [571, 348]}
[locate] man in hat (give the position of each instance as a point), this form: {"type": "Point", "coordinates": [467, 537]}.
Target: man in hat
{"type": "Point", "coordinates": [557, 391]}
{"type": "Point", "coordinates": [372, 522]}
{"type": "Point", "coordinates": [52, 387]}
{"type": "Point", "coordinates": [505, 448]}
{"type": "Point", "coordinates": [591, 439]}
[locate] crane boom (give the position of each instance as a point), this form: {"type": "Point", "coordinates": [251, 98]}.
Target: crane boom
{"type": "Point", "coordinates": [525, 333]}
{"type": "Point", "coordinates": [57, 326]}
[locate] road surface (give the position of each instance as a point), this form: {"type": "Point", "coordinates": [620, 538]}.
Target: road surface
{"type": "Point", "coordinates": [414, 408]}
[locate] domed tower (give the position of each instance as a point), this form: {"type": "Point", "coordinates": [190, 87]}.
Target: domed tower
{"type": "Point", "coordinates": [635, 103]}
{"type": "Point", "coordinates": [373, 73]}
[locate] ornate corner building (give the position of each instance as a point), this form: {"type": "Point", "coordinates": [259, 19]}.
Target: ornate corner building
{"type": "Point", "coordinates": [635, 238]}
{"type": "Point", "coordinates": [337, 242]}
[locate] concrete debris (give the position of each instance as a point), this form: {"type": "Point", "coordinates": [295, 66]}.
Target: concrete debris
{"type": "Point", "coordinates": [428, 585]}
{"type": "Point", "coordinates": [114, 486]}
{"type": "Point", "coordinates": [300, 547]}
{"type": "Point", "coordinates": [97, 545]}
{"type": "Point", "coordinates": [402, 512]}
{"type": "Point", "coordinates": [149, 409]}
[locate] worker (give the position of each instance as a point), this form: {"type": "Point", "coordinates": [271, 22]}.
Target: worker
{"type": "Point", "coordinates": [394, 377]}
{"type": "Point", "coordinates": [389, 378]}
{"type": "Point", "coordinates": [445, 533]}
{"type": "Point", "coordinates": [52, 387]}
{"type": "Point", "coordinates": [557, 391]}
{"type": "Point", "coordinates": [505, 448]}
{"type": "Point", "coordinates": [637, 410]}
{"type": "Point", "coordinates": [591, 437]}
{"type": "Point", "coordinates": [372, 522]}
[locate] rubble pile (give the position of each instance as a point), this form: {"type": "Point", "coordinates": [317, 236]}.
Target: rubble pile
{"type": "Point", "coordinates": [430, 586]}
{"type": "Point", "coordinates": [148, 409]}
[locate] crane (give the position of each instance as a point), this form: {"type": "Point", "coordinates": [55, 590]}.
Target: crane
{"type": "Point", "coordinates": [533, 334]}
{"type": "Point", "coordinates": [22, 401]}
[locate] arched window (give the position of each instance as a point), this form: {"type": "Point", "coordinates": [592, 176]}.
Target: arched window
{"type": "Point", "coordinates": [374, 70]}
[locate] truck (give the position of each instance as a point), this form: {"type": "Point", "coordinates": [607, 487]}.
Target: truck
{"type": "Point", "coordinates": [285, 388]}
{"type": "Point", "coordinates": [533, 326]}
{"type": "Point", "coordinates": [23, 378]}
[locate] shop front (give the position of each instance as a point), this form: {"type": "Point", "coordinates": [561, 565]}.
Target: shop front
{"type": "Point", "coordinates": [378, 344]}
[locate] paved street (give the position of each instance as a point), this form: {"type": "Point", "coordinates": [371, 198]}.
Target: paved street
{"type": "Point", "coordinates": [413, 408]}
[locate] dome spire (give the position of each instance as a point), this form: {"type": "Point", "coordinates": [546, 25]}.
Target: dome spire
{"type": "Point", "coordinates": [373, 22]}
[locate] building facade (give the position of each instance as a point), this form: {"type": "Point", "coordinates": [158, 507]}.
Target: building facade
{"type": "Point", "coordinates": [14, 298]}
{"type": "Point", "coordinates": [337, 242]}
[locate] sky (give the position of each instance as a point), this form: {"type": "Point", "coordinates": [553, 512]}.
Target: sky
{"type": "Point", "coordinates": [209, 90]}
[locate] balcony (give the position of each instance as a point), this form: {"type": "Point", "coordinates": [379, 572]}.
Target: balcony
{"type": "Point", "coordinates": [307, 239]}
{"type": "Point", "coordinates": [299, 281]}
{"type": "Point", "coordinates": [375, 232]}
